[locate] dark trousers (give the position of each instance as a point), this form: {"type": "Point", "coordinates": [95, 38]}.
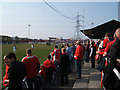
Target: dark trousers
{"type": "Point", "coordinates": [56, 74]}
{"type": "Point", "coordinates": [15, 86]}
{"type": "Point", "coordinates": [69, 68]}
{"type": "Point", "coordinates": [31, 81]}
{"type": "Point", "coordinates": [86, 56]}
{"type": "Point", "coordinates": [93, 62]}
{"type": "Point", "coordinates": [64, 76]}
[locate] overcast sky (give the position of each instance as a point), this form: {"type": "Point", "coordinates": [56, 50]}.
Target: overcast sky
{"type": "Point", "coordinates": [47, 22]}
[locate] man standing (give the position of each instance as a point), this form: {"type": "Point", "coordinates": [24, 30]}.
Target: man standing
{"type": "Point", "coordinates": [32, 46]}
{"type": "Point", "coordinates": [56, 60]}
{"type": "Point", "coordinates": [64, 63]}
{"type": "Point", "coordinates": [78, 58]}
{"type": "Point", "coordinates": [92, 54]}
{"type": "Point", "coordinates": [56, 55]}
{"type": "Point", "coordinates": [16, 72]}
{"type": "Point", "coordinates": [32, 65]}
{"type": "Point", "coordinates": [14, 48]}
{"type": "Point", "coordinates": [87, 51]}
{"type": "Point", "coordinates": [73, 48]}
{"type": "Point", "coordinates": [106, 39]}
{"type": "Point", "coordinates": [68, 51]}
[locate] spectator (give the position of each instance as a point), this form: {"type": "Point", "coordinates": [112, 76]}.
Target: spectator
{"type": "Point", "coordinates": [32, 65]}
{"type": "Point", "coordinates": [64, 63]}
{"type": "Point", "coordinates": [56, 60]}
{"type": "Point", "coordinates": [111, 80]}
{"type": "Point", "coordinates": [78, 58]}
{"type": "Point", "coordinates": [104, 53]}
{"type": "Point", "coordinates": [56, 55]}
{"type": "Point", "coordinates": [16, 72]}
{"type": "Point", "coordinates": [92, 54]}
{"type": "Point", "coordinates": [47, 64]}
{"type": "Point", "coordinates": [100, 45]}
{"type": "Point", "coordinates": [107, 49]}
{"type": "Point", "coordinates": [98, 42]}
{"type": "Point", "coordinates": [62, 46]}
{"type": "Point", "coordinates": [73, 48]}
{"type": "Point", "coordinates": [106, 39]}
{"type": "Point", "coordinates": [68, 51]}
{"type": "Point", "coordinates": [104, 60]}
{"type": "Point", "coordinates": [87, 51]}
{"type": "Point", "coordinates": [5, 78]}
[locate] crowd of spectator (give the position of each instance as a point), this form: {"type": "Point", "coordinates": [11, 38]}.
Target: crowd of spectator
{"type": "Point", "coordinates": [106, 52]}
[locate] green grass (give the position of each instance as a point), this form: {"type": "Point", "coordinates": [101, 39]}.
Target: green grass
{"type": "Point", "coordinates": [40, 50]}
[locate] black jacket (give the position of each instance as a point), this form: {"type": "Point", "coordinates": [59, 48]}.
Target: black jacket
{"type": "Point", "coordinates": [16, 74]}
{"type": "Point", "coordinates": [64, 61]}
{"type": "Point", "coordinates": [93, 52]}
{"type": "Point", "coordinates": [115, 51]}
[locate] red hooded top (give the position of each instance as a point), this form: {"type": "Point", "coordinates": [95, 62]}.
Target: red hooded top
{"type": "Point", "coordinates": [47, 64]}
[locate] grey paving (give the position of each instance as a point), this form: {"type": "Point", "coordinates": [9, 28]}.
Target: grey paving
{"type": "Point", "coordinates": [94, 80]}
{"type": "Point", "coordinates": [91, 79]}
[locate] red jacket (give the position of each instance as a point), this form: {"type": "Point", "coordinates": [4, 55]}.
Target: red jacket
{"type": "Point", "coordinates": [56, 55]}
{"type": "Point", "coordinates": [6, 76]}
{"type": "Point", "coordinates": [47, 64]}
{"type": "Point", "coordinates": [79, 52]}
{"type": "Point", "coordinates": [101, 51]}
{"type": "Point", "coordinates": [31, 63]}
{"type": "Point", "coordinates": [105, 41]}
{"type": "Point", "coordinates": [107, 49]}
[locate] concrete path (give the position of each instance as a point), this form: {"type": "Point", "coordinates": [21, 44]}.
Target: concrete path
{"type": "Point", "coordinates": [91, 79]}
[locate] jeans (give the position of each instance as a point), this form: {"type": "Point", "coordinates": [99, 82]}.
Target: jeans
{"type": "Point", "coordinates": [78, 67]}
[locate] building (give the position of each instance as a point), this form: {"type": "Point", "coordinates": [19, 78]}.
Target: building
{"type": "Point", "coordinates": [98, 32]}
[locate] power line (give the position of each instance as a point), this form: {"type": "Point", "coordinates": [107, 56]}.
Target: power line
{"type": "Point", "coordinates": [66, 5]}
{"type": "Point", "coordinates": [53, 8]}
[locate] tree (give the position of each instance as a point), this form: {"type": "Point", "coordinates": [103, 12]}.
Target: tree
{"type": "Point", "coordinates": [16, 39]}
